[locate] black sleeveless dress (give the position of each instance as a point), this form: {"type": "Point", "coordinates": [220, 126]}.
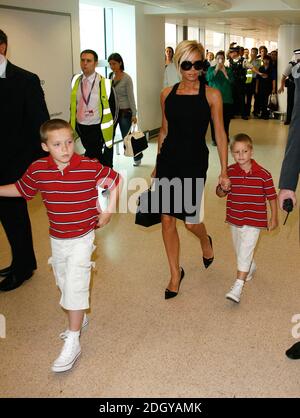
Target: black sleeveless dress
{"type": "Point", "coordinates": [184, 153]}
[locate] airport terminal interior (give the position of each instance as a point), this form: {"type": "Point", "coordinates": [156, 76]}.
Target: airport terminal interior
{"type": "Point", "coordinates": [138, 344]}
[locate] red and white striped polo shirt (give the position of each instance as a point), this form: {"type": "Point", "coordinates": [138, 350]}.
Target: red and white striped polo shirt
{"type": "Point", "coordinates": [246, 201]}
{"type": "Point", "coordinates": [70, 196]}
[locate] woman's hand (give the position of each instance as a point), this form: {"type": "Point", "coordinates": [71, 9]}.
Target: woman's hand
{"type": "Point", "coordinates": [220, 192]}
{"type": "Point", "coordinates": [134, 119]}
{"type": "Point", "coordinates": [224, 182]}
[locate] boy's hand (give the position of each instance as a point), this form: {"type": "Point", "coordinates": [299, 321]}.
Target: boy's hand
{"type": "Point", "coordinates": [224, 182]}
{"type": "Point", "coordinates": [103, 219]}
{"type": "Point", "coordinates": [273, 223]}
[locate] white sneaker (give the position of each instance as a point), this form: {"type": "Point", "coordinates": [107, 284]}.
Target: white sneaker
{"type": "Point", "coordinates": [85, 322]}
{"type": "Point", "coordinates": [68, 355]}
{"type": "Point", "coordinates": [236, 291]}
{"type": "Point", "coordinates": [251, 271]}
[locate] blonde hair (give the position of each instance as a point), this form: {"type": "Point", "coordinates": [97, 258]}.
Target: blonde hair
{"type": "Point", "coordinates": [237, 139]}
{"type": "Point", "coordinates": [185, 49]}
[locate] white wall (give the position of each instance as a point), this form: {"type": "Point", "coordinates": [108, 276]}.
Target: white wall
{"type": "Point", "coordinates": [147, 38]}
{"type": "Point", "coordinates": [64, 6]}
{"type": "Point", "coordinates": [140, 39]}
{"type": "Point", "coordinates": [150, 46]}
{"type": "Point", "coordinates": [41, 42]}
{"type": "Point", "coordinates": [123, 32]}
{"type": "Point", "coordinates": [124, 37]}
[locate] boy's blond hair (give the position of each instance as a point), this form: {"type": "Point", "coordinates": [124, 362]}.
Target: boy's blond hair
{"type": "Point", "coordinates": [53, 125]}
{"type": "Point", "coordinates": [241, 138]}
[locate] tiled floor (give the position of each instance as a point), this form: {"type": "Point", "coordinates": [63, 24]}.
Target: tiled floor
{"type": "Point", "coordinates": [139, 345]}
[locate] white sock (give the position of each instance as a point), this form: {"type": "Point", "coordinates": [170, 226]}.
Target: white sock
{"type": "Point", "coordinates": [74, 334]}
{"type": "Point", "coordinates": [241, 281]}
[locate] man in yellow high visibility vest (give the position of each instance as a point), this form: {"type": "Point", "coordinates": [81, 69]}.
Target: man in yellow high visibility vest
{"type": "Point", "coordinates": [251, 83]}
{"type": "Point", "coordinates": [92, 107]}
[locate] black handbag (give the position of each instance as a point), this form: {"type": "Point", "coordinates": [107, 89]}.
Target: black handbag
{"type": "Point", "coordinates": [144, 216]}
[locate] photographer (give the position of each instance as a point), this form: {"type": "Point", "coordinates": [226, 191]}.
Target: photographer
{"type": "Point", "coordinates": [239, 66]}
{"type": "Point", "coordinates": [221, 78]}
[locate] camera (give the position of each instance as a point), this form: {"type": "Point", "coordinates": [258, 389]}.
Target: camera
{"type": "Point", "coordinates": [288, 205]}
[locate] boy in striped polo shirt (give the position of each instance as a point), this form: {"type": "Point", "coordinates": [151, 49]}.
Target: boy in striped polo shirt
{"type": "Point", "coordinates": [68, 185]}
{"type": "Point", "coordinates": [246, 211]}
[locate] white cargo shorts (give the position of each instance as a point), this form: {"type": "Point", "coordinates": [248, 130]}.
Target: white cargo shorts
{"type": "Point", "coordinates": [71, 264]}
{"type": "Point", "coordinates": [244, 241]}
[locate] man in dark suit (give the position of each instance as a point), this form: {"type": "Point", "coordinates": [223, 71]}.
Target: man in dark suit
{"type": "Point", "coordinates": [22, 111]}
{"type": "Point", "coordinates": [291, 163]}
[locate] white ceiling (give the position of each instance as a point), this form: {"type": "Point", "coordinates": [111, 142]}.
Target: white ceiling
{"type": "Point", "coordinates": [250, 18]}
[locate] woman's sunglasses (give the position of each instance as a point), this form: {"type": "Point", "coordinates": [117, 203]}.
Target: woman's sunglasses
{"type": "Point", "coordinates": [187, 65]}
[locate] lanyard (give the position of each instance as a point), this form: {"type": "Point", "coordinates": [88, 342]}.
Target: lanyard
{"type": "Point", "coordinates": [87, 101]}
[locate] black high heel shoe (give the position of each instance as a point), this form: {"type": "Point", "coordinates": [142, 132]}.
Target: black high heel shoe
{"type": "Point", "coordinates": [169, 293]}
{"type": "Point", "coordinates": [207, 261]}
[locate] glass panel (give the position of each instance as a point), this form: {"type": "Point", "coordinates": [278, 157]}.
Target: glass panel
{"type": "Point", "coordinates": [238, 39]}
{"type": "Point", "coordinates": [109, 31]}
{"type": "Point", "coordinates": [92, 30]}
{"type": "Point", "coordinates": [214, 41]}
{"type": "Point", "coordinates": [193, 34]}
{"type": "Point", "coordinates": [109, 36]}
{"type": "Point", "coordinates": [170, 35]}
{"type": "Point", "coordinates": [179, 34]}
{"type": "Point", "coordinates": [273, 46]}
{"type": "Point", "coordinates": [249, 43]}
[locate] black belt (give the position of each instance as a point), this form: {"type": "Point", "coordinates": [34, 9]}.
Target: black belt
{"type": "Point", "coordinates": [125, 110]}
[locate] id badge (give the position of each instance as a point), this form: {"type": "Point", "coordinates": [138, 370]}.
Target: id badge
{"type": "Point", "coordinates": [89, 113]}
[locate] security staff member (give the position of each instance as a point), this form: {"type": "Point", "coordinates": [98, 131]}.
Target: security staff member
{"type": "Point", "coordinates": [239, 66]}
{"type": "Point", "coordinates": [22, 111]}
{"type": "Point", "coordinates": [92, 107]}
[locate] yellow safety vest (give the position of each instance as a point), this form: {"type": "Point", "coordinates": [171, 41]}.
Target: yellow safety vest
{"type": "Point", "coordinates": [249, 76]}
{"type": "Point", "coordinates": [106, 118]}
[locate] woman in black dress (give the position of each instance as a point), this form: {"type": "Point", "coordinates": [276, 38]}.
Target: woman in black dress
{"type": "Point", "coordinates": [183, 154]}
